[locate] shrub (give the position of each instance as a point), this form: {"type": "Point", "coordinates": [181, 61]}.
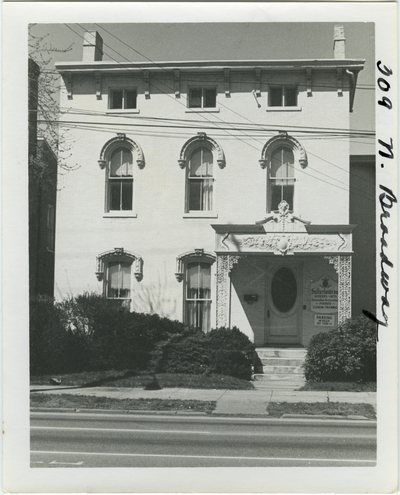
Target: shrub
{"type": "Point", "coordinates": [47, 337]}
{"type": "Point", "coordinates": [345, 354]}
{"type": "Point", "coordinates": [92, 333]}
{"type": "Point", "coordinates": [222, 351]}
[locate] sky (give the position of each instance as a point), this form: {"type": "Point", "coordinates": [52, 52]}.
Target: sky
{"type": "Point", "coordinates": [229, 41]}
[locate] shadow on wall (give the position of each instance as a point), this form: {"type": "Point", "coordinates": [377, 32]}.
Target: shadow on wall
{"type": "Point", "coordinates": [155, 298]}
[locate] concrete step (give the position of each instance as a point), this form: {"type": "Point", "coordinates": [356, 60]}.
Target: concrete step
{"type": "Point", "coordinates": [279, 377]}
{"type": "Point", "coordinates": [283, 370]}
{"type": "Point", "coordinates": [278, 361]}
{"type": "Point", "coordinates": [273, 352]}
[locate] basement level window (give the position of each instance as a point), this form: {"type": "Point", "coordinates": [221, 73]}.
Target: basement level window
{"type": "Point", "coordinates": [202, 97]}
{"type": "Point", "coordinates": [282, 96]}
{"type": "Point", "coordinates": [122, 99]}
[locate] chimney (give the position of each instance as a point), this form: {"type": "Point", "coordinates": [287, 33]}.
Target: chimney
{"type": "Point", "coordinates": [92, 47]}
{"type": "Point", "coordinates": [339, 42]}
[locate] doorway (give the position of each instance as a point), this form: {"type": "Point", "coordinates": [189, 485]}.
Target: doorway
{"type": "Point", "coordinates": [283, 308]}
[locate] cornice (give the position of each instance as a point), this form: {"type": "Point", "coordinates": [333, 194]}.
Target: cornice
{"type": "Point", "coordinates": [354, 65]}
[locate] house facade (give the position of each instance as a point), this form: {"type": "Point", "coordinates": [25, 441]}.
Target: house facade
{"type": "Point", "coordinates": [215, 193]}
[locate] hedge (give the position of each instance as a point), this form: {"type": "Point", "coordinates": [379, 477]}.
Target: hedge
{"type": "Point", "coordinates": [224, 351]}
{"type": "Point", "coordinates": [91, 333]}
{"type": "Point", "coordinates": [344, 354]}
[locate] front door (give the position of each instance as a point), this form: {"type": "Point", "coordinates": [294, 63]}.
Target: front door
{"type": "Point", "coordinates": [283, 303]}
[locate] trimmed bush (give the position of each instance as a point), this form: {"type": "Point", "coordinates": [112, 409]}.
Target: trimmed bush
{"type": "Point", "coordinates": [345, 354]}
{"type": "Point", "coordinates": [92, 333]}
{"type": "Point", "coordinates": [222, 351]}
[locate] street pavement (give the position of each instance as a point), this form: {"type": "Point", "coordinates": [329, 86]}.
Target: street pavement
{"type": "Point", "coordinates": [63, 439]}
{"type": "Point", "coordinates": [235, 402]}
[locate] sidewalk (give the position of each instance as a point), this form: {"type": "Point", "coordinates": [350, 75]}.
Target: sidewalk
{"type": "Point", "coordinates": [252, 402]}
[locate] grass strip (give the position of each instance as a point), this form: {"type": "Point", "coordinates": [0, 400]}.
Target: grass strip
{"type": "Point", "coordinates": [90, 402]}
{"type": "Point", "coordinates": [278, 409]}
{"type": "Point", "coordinates": [339, 386]}
{"type": "Point", "coordinates": [132, 379]}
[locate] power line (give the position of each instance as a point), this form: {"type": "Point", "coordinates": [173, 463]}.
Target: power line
{"type": "Point", "coordinates": [204, 117]}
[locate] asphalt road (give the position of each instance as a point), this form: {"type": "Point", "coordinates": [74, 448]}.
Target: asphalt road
{"type": "Point", "coordinates": [64, 439]}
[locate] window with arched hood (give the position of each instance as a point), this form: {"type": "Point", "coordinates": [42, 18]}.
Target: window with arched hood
{"type": "Point", "coordinates": [200, 180]}
{"type": "Point", "coordinates": [198, 295]}
{"type": "Point", "coordinates": [120, 180]}
{"type": "Point", "coordinates": [281, 178]}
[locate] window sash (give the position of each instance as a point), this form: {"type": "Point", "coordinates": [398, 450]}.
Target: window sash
{"type": "Point", "coordinates": [202, 98]}
{"type": "Point", "coordinates": [198, 296]}
{"type": "Point", "coordinates": [123, 99]}
{"type": "Point", "coordinates": [283, 96]}
{"type": "Point", "coordinates": [119, 280]}
{"type": "Point", "coordinates": [120, 194]}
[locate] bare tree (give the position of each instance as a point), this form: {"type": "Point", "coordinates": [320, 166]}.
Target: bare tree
{"type": "Point", "coordinates": [44, 95]}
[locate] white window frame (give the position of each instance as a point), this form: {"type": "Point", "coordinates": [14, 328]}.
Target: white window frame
{"type": "Point", "coordinates": [124, 108]}
{"type": "Point", "coordinates": [201, 212]}
{"type": "Point", "coordinates": [197, 261]}
{"type": "Point", "coordinates": [283, 87]}
{"type": "Point", "coordinates": [201, 108]}
{"type": "Point", "coordinates": [107, 263]}
{"type": "Point", "coordinates": [110, 180]}
{"type": "Point", "coordinates": [271, 179]}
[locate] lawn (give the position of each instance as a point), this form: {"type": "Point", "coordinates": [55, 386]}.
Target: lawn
{"type": "Point", "coordinates": [90, 402]}
{"type": "Point", "coordinates": [339, 386]}
{"type": "Point", "coordinates": [278, 409]}
{"type": "Point", "coordinates": [144, 380]}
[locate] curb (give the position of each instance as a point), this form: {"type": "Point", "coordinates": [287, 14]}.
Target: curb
{"type": "Point", "coordinates": [309, 420]}
{"type": "Point", "coordinates": [351, 417]}
{"type": "Point", "coordinates": [116, 411]}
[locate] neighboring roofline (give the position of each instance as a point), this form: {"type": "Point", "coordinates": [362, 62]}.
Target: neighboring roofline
{"type": "Point", "coordinates": [211, 65]}
{"type": "Point", "coordinates": [48, 147]}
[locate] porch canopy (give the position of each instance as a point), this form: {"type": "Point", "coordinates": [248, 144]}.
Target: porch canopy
{"type": "Point", "coordinates": [283, 234]}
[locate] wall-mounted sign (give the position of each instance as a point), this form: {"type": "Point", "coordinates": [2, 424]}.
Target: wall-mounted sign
{"type": "Point", "coordinates": [324, 296]}
{"type": "Point", "coordinates": [324, 320]}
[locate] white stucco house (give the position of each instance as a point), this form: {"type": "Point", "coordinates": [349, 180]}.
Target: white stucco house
{"type": "Point", "coordinates": [208, 192]}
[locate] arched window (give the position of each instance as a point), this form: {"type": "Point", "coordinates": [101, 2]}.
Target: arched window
{"type": "Point", "coordinates": [194, 268]}
{"type": "Point", "coordinates": [116, 269]}
{"type": "Point", "coordinates": [120, 180]}
{"type": "Point", "coordinates": [200, 180]}
{"type": "Point", "coordinates": [118, 280]}
{"type": "Point", "coordinates": [117, 158]}
{"type": "Point", "coordinates": [198, 295]}
{"type": "Point", "coordinates": [281, 178]}
{"type": "Point", "coordinates": [282, 156]}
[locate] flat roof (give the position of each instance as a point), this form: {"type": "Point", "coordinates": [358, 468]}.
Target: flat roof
{"type": "Point", "coordinates": [211, 65]}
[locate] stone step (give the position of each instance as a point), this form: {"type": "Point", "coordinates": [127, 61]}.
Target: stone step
{"type": "Point", "coordinates": [272, 352]}
{"type": "Point", "coordinates": [279, 377]}
{"type": "Point", "coordinates": [278, 361]}
{"type": "Point", "coordinates": [283, 370]}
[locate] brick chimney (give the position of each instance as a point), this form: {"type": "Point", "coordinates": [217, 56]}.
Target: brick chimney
{"type": "Point", "coordinates": [92, 47]}
{"type": "Point", "coordinates": [339, 42]}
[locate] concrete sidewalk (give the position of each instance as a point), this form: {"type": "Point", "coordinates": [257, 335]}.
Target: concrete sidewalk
{"type": "Point", "coordinates": [251, 402]}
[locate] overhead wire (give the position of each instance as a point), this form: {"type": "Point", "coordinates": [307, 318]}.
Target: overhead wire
{"type": "Point", "coordinates": [203, 116]}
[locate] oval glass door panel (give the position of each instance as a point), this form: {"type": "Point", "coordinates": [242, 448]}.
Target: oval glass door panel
{"type": "Point", "coordinates": [284, 289]}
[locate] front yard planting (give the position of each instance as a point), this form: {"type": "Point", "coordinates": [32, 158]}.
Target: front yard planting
{"type": "Point", "coordinates": [131, 379]}
{"type": "Point", "coordinates": [88, 402]}
{"type": "Point", "coordinates": [278, 409]}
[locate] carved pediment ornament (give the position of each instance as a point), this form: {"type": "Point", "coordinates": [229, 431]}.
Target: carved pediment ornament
{"type": "Point", "coordinates": [193, 142]}
{"type": "Point", "coordinates": [183, 258]}
{"type": "Point", "coordinates": [118, 252]}
{"type": "Point", "coordinates": [132, 145]}
{"type": "Point", "coordinates": [283, 138]}
{"type": "Point", "coordinates": [283, 216]}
